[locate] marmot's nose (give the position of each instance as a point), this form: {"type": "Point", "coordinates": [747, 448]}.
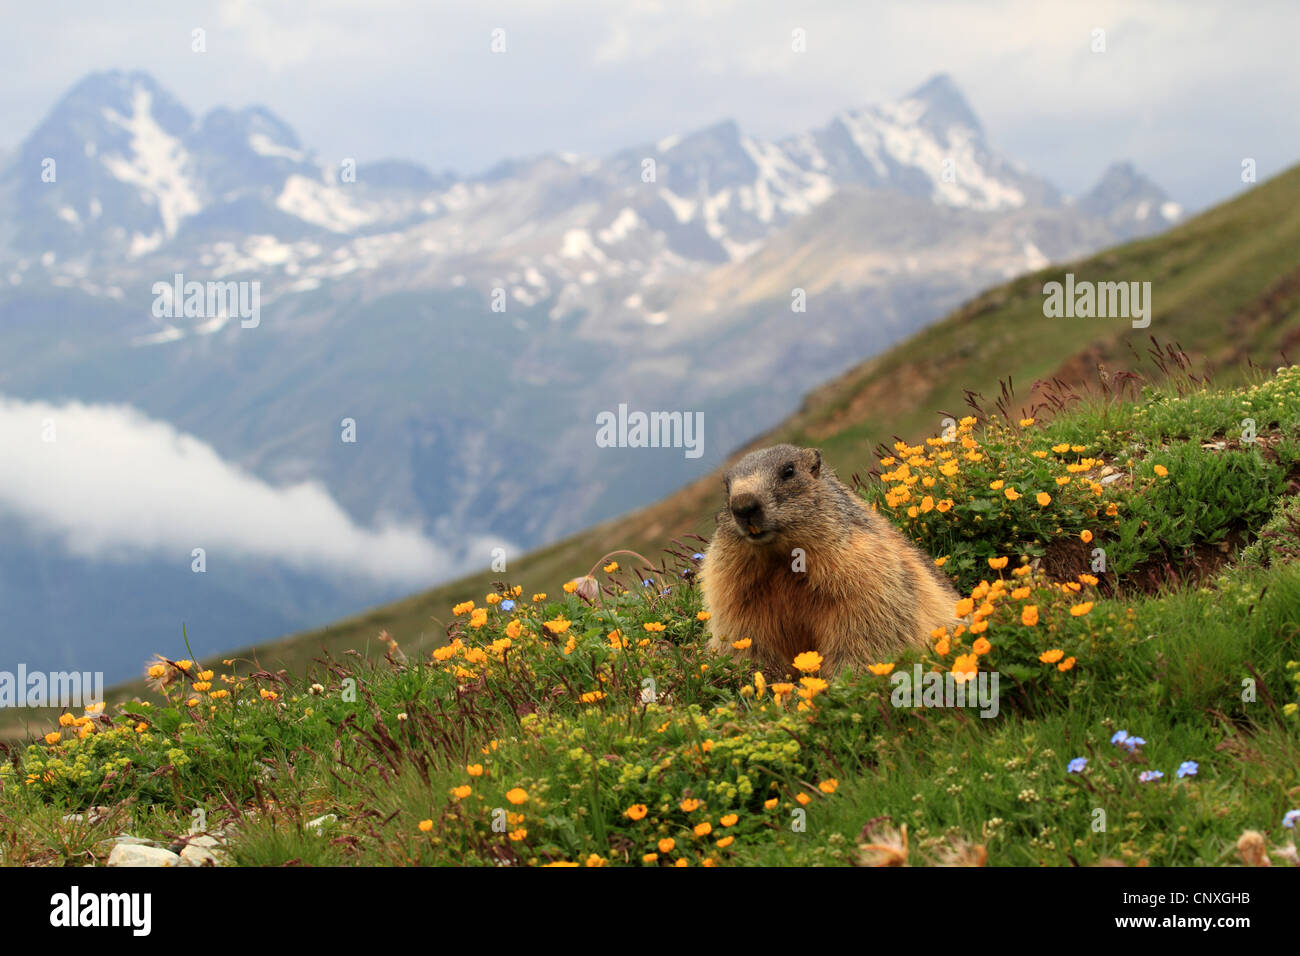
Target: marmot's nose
{"type": "Point", "coordinates": [747, 509]}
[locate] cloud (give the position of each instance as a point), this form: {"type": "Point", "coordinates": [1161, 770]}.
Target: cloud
{"type": "Point", "coordinates": [113, 484]}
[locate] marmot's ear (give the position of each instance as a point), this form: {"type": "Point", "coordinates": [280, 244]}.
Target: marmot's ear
{"type": "Point", "coordinates": [813, 459]}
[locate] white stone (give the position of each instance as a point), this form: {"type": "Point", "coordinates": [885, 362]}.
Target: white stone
{"type": "Point", "coordinates": [129, 854]}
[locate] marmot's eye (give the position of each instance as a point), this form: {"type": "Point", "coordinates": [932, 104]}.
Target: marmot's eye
{"type": "Point", "coordinates": [787, 471]}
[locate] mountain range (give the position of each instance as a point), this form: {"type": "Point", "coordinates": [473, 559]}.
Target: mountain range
{"type": "Point", "coordinates": [471, 328]}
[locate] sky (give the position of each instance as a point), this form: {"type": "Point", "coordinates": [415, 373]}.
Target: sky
{"type": "Point", "coordinates": [1185, 90]}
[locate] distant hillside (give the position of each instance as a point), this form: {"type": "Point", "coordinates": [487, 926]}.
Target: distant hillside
{"type": "Point", "coordinates": [1225, 287]}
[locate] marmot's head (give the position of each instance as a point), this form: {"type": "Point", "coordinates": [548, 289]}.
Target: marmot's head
{"type": "Point", "coordinates": [771, 493]}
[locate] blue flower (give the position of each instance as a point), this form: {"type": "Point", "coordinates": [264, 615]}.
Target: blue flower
{"type": "Point", "coordinates": [1119, 738]}
{"type": "Point", "coordinates": [647, 583]}
{"type": "Point", "coordinates": [507, 605]}
{"type": "Point", "coordinates": [1146, 776]}
{"type": "Point", "coordinates": [698, 556]}
{"type": "Point", "coordinates": [1188, 768]}
{"type": "Point", "coordinates": [1077, 765]}
{"type": "Point", "coordinates": [1291, 819]}
{"type": "Point", "coordinates": [1132, 743]}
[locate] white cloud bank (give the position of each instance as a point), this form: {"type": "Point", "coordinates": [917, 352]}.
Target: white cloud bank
{"type": "Point", "coordinates": [113, 483]}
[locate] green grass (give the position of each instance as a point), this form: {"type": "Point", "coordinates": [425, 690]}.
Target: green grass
{"type": "Point", "coordinates": [585, 727]}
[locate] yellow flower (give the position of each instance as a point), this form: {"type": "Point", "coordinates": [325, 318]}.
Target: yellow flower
{"type": "Point", "coordinates": [475, 770]}
{"type": "Point", "coordinates": [493, 598]}
{"type": "Point", "coordinates": [997, 564]}
{"type": "Point", "coordinates": [478, 618]}
{"type": "Point", "coordinates": [654, 627]}
{"type": "Point", "coordinates": [514, 629]}
{"type": "Point", "coordinates": [997, 485]}
{"type": "Point", "coordinates": [557, 626]}
{"type": "Point", "coordinates": [1043, 499]}
{"type": "Point", "coordinates": [463, 608]}
{"type": "Point", "coordinates": [828, 786]}
{"type": "Point", "coordinates": [157, 670]}
{"type": "Point", "coordinates": [517, 796]}
{"type": "Point", "coordinates": [461, 792]}
{"type": "Point", "coordinates": [570, 587]}
{"type": "Point", "coordinates": [637, 811]}
{"type": "Point", "coordinates": [1026, 422]}
{"type": "Point", "coordinates": [1088, 579]}
{"type": "Point", "coordinates": [592, 696]}
{"type": "Point", "coordinates": [1079, 610]}
{"type": "Point", "coordinates": [940, 562]}
{"type": "Point", "coordinates": [1012, 494]}
{"type": "Point", "coordinates": [426, 826]}
{"type": "Point", "coordinates": [521, 833]}
{"type": "Point", "coordinates": [1052, 656]}
{"type": "Point", "coordinates": [703, 616]}
{"type": "Point", "coordinates": [808, 661]}
{"type": "Point", "coordinates": [1060, 449]}
{"type": "Point", "coordinates": [880, 670]}
{"type": "Point", "coordinates": [537, 598]}
{"type": "Point", "coordinates": [743, 644]}
{"type": "Point", "coordinates": [1161, 470]}
{"type": "Point", "coordinates": [53, 737]}
{"type": "Point", "coordinates": [611, 567]}
{"type": "Point", "coordinates": [771, 804]}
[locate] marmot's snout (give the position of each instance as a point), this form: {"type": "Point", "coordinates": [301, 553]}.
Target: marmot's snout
{"type": "Point", "coordinates": [747, 511]}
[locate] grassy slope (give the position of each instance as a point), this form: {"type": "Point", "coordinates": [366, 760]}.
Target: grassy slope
{"type": "Point", "coordinates": [1226, 287]}
{"type": "Point", "coordinates": [536, 718]}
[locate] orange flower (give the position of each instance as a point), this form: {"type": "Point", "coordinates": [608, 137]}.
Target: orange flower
{"type": "Point", "coordinates": [725, 842]}
{"type": "Point", "coordinates": [1065, 665]}
{"type": "Point", "coordinates": [637, 811]}
{"type": "Point", "coordinates": [689, 805]}
{"type": "Point", "coordinates": [517, 796]}
{"type": "Point", "coordinates": [1052, 656]}
{"type": "Point", "coordinates": [963, 607]}
{"type": "Point", "coordinates": [1029, 615]}
{"type": "Point", "coordinates": [703, 829]}
{"type": "Point", "coordinates": [1012, 494]}
{"type": "Point", "coordinates": [808, 661]}
{"type": "Point", "coordinates": [803, 799]}
{"type": "Point", "coordinates": [997, 564]}
{"type": "Point", "coordinates": [982, 646]}
{"type": "Point", "coordinates": [828, 786]}
{"type": "Point", "coordinates": [654, 627]}
{"type": "Point", "coordinates": [1079, 610]}
{"type": "Point", "coordinates": [743, 644]}
{"type": "Point", "coordinates": [666, 845]}
{"type": "Point", "coordinates": [880, 670]}
{"type": "Point", "coordinates": [426, 826]}
{"type": "Point", "coordinates": [1085, 536]}
{"type": "Point", "coordinates": [702, 616]}
{"type": "Point", "coordinates": [1044, 499]}
{"type": "Point", "coordinates": [730, 820]}
{"type": "Point", "coordinates": [965, 667]}
{"type": "Point", "coordinates": [1161, 470]}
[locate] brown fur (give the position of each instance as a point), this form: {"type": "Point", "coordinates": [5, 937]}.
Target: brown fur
{"type": "Point", "coordinates": [865, 593]}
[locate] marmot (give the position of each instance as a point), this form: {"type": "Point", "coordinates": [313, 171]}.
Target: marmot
{"type": "Point", "coordinates": [800, 563]}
